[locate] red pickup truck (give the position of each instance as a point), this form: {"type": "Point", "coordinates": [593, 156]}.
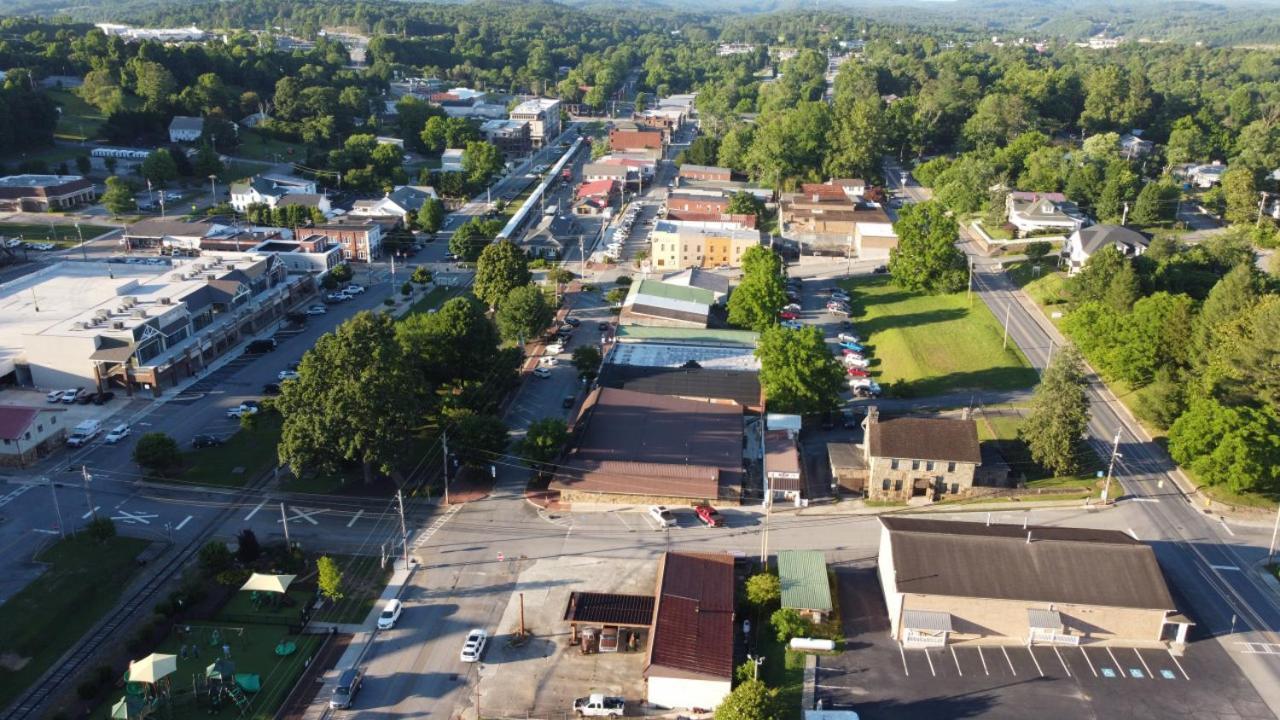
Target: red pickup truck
{"type": "Point", "coordinates": [709, 516]}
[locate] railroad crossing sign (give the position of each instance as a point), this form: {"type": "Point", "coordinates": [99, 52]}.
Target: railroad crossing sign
{"type": "Point", "coordinates": [133, 518]}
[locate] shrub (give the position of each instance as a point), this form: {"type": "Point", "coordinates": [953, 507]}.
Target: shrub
{"type": "Point", "coordinates": [101, 529]}
{"type": "Point", "coordinates": [624, 280]}
{"type": "Point", "coordinates": [764, 589]}
{"type": "Point", "coordinates": [232, 578]}
{"type": "Point", "coordinates": [215, 557]}
{"type": "Point", "coordinates": [789, 624]}
{"type": "Point", "coordinates": [247, 547]}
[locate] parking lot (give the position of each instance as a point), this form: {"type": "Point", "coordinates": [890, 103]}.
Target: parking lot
{"type": "Point", "coordinates": [879, 679]}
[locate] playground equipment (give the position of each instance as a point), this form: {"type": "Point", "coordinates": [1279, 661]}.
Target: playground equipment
{"type": "Point", "coordinates": [221, 684]}
{"type": "Point", "coordinates": [146, 687]}
{"type": "Point", "coordinates": [267, 589]}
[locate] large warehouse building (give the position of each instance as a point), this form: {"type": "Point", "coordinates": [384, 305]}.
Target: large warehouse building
{"type": "Point", "coordinates": [972, 582]}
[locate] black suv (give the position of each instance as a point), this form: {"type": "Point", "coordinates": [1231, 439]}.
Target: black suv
{"type": "Point", "coordinates": [204, 441]}
{"type": "Point", "coordinates": [257, 347]}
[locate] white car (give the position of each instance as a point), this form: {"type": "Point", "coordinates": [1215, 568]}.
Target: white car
{"type": "Point", "coordinates": [117, 434]}
{"type": "Point", "coordinates": [549, 360]}
{"type": "Point", "coordinates": [849, 337]}
{"type": "Point", "coordinates": [866, 384]}
{"type": "Point", "coordinates": [287, 375]}
{"type": "Point", "coordinates": [855, 361]}
{"type": "Point", "coordinates": [542, 372]}
{"type": "Point", "coordinates": [316, 310]}
{"type": "Point", "coordinates": [390, 614]}
{"type": "Point", "coordinates": [353, 289]}
{"type": "Point", "coordinates": [661, 515]}
{"type": "Point", "coordinates": [554, 349]}
{"type": "Point", "coordinates": [53, 396]}
{"type": "Point", "coordinates": [248, 407]}
{"type": "Point", "coordinates": [792, 307]}
{"type": "Point", "coordinates": [473, 648]}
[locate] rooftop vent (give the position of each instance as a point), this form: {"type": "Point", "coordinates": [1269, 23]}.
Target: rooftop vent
{"type": "Point", "coordinates": [118, 324]}
{"type": "Point", "coordinates": [139, 313]}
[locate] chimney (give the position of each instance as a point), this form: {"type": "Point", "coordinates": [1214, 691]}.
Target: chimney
{"type": "Point", "coordinates": [873, 415]}
{"type": "Point", "coordinates": [966, 413]}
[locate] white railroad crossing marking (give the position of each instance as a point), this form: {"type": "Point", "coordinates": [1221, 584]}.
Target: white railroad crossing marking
{"type": "Point", "coordinates": [1259, 648]}
{"type": "Point", "coordinates": [422, 538]}
{"type": "Point", "coordinates": [135, 517]}
{"type": "Point", "coordinates": [307, 514]}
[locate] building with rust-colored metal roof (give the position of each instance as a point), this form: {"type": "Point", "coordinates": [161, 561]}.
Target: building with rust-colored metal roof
{"type": "Point", "coordinates": [690, 657]}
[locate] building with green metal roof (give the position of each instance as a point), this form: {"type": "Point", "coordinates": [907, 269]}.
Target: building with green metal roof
{"type": "Point", "coordinates": [805, 586]}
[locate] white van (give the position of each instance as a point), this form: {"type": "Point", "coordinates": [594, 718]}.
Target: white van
{"type": "Point", "coordinates": [83, 433]}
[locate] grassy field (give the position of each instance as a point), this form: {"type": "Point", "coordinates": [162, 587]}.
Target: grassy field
{"type": "Point", "coordinates": [1046, 286]}
{"type": "Point", "coordinates": [434, 298]}
{"type": "Point", "coordinates": [253, 450]}
{"type": "Point", "coordinates": [256, 146]}
{"type": "Point", "coordinates": [84, 579]}
{"type": "Point", "coordinates": [252, 651]}
{"type": "Point", "coordinates": [1002, 430]}
{"type": "Point", "coordinates": [932, 344]}
{"type": "Point", "coordinates": [79, 119]}
{"type": "Point", "coordinates": [60, 234]}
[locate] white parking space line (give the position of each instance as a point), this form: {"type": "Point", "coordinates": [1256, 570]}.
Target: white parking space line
{"type": "Point", "coordinates": [1225, 527]}
{"type": "Point", "coordinates": [14, 494]}
{"type": "Point", "coordinates": [1174, 658]}
{"type": "Point", "coordinates": [618, 516]}
{"type": "Point", "coordinates": [44, 532]}
{"type": "Point", "coordinates": [926, 657]}
{"type": "Point", "coordinates": [957, 659]}
{"type": "Point", "coordinates": [183, 523]}
{"type": "Point", "coordinates": [1119, 667]}
{"type": "Point", "coordinates": [1062, 660]}
{"type": "Point", "coordinates": [254, 511]}
{"type": "Point", "coordinates": [95, 509]}
{"type": "Point", "coordinates": [1144, 663]}
{"type": "Point", "coordinates": [903, 653]}
{"type": "Point", "coordinates": [1008, 660]}
{"type": "Point", "coordinates": [1034, 660]}
{"type": "Point", "coordinates": [1089, 662]}
{"type": "Point", "coordinates": [1225, 567]}
{"type": "Point", "coordinates": [355, 517]}
{"type": "Point", "coordinates": [984, 661]}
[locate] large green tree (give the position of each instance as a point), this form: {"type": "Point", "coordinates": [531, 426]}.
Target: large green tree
{"type": "Point", "coordinates": [455, 344]}
{"type": "Point", "coordinates": [354, 401]}
{"type": "Point", "coordinates": [523, 314]}
{"type": "Point", "coordinates": [1059, 414]}
{"type": "Point", "coordinates": [797, 371]}
{"type": "Point", "coordinates": [118, 197]}
{"type": "Point", "coordinates": [1241, 195]}
{"type": "Point", "coordinates": [472, 237]}
{"type": "Point", "coordinates": [480, 161]}
{"type": "Point", "coordinates": [926, 258]}
{"type": "Point", "coordinates": [1234, 447]}
{"type": "Point", "coordinates": [475, 439]}
{"type": "Point", "coordinates": [543, 442]}
{"type": "Point", "coordinates": [755, 303]}
{"type": "Point", "coordinates": [157, 453]}
{"type": "Point", "coordinates": [159, 167]}
{"type": "Point", "coordinates": [501, 268]}
{"type": "Point", "coordinates": [750, 700]}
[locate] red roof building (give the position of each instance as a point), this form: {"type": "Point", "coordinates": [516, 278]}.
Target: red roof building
{"type": "Point", "coordinates": [27, 433]}
{"type": "Point", "coordinates": [598, 189]}
{"type": "Point", "coordinates": [638, 139]}
{"type": "Point", "coordinates": [690, 656]}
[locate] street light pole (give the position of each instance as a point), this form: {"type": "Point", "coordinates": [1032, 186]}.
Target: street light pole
{"type": "Point", "coordinates": [1115, 453]}
{"type": "Point", "coordinates": [84, 473]}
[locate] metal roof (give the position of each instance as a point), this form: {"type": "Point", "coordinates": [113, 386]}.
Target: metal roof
{"type": "Point", "coordinates": [609, 608]}
{"type": "Point", "coordinates": [927, 620]}
{"type": "Point", "coordinates": [693, 619]}
{"type": "Point", "coordinates": [805, 585]}
{"type": "Point", "coordinates": [1044, 619]}
{"type": "Point", "coordinates": [697, 336]}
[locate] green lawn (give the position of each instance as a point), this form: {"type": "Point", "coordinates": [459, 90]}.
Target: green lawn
{"type": "Point", "coordinates": [83, 581]}
{"type": "Point", "coordinates": [79, 120]}
{"type": "Point", "coordinates": [253, 450]}
{"type": "Point", "coordinates": [932, 344]}
{"type": "Point", "coordinates": [61, 234]}
{"type": "Point", "coordinates": [434, 298]}
{"type": "Point", "coordinates": [783, 669]}
{"type": "Point", "coordinates": [252, 651]}
{"type": "Point", "coordinates": [256, 146]}
{"type": "Point", "coordinates": [1046, 286]}
{"type": "Point", "coordinates": [1002, 431]}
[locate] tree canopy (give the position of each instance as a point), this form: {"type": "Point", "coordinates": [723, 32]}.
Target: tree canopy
{"type": "Point", "coordinates": [926, 258]}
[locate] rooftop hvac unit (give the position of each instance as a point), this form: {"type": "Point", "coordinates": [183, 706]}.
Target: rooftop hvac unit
{"type": "Point", "coordinates": [176, 277]}
{"type": "Point", "coordinates": [130, 300]}
{"type": "Point", "coordinates": [139, 313]}
{"type": "Point", "coordinates": [118, 324]}
{"type": "Point", "coordinates": [166, 301]}
{"type": "Point", "coordinates": [102, 314]}
{"type": "Point", "coordinates": [85, 325]}
{"type": "Point", "coordinates": [122, 309]}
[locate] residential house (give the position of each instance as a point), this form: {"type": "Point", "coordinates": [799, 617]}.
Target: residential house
{"type": "Point", "coordinates": [1133, 146]}
{"type": "Point", "coordinates": [42, 193]}
{"type": "Point", "coordinates": [947, 582]}
{"type": "Point", "coordinates": [676, 244]}
{"type": "Point", "coordinates": [592, 172]}
{"type": "Point", "coordinates": [543, 116]}
{"type": "Point", "coordinates": [916, 457]}
{"type": "Point", "coordinates": [806, 588]}
{"type": "Point", "coordinates": [361, 239]}
{"type": "Point", "coordinates": [311, 201]}
{"type": "Point", "coordinates": [451, 160]}
{"type": "Point", "coordinates": [689, 663]}
{"type": "Point", "coordinates": [185, 129]}
{"type": "Point", "coordinates": [398, 203]}
{"type": "Point", "coordinates": [783, 468]}
{"type": "Point", "coordinates": [29, 433]}
{"type": "Point", "coordinates": [596, 196]}
{"type": "Point", "coordinates": [1084, 242]}
{"type": "Point", "coordinates": [267, 190]}
{"type": "Point", "coordinates": [1035, 212]}
{"type": "Point", "coordinates": [642, 449]}
{"type": "Point", "coordinates": [1206, 176]}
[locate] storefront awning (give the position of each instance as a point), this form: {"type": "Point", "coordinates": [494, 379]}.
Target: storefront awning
{"type": "Point", "coordinates": [1038, 619]}
{"type": "Point", "coordinates": [930, 620]}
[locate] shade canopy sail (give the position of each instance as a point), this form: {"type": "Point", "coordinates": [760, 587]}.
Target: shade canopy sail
{"type": "Point", "coordinates": [127, 708]}
{"type": "Point", "coordinates": [268, 583]}
{"type": "Point", "coordinates": [152, 667]}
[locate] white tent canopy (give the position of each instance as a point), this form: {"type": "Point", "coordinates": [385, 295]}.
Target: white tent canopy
{"type": "Point", "coordinates": [268, 583]}
{"type": "Point", "coordinates": [152, 667]}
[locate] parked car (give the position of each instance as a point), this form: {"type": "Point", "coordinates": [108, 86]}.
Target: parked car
{"type": "Point", "coordinates": [848, 345]}
{"type": "Point", "coordinates": [205, 441]}
{"type": "Point", "coordinates": [880, 269]}
{"type": "Point", "coordinates": [709, 515]}
{"type": "Point", "coordinates": [69, 397]}
{"type": "Point", "coordinates": [353, 289]}
{"type": "Point", "coordinates": [792, 307]}
{"type": "Point", "coordinates": [661, 515]}
{"type": "Point", "coordinates": [257, 347]}
{"type": "Point", "coordinates": [573, 321]}
{"type": "Point", "coordinates": [848, 337]}
{"type": "Point", "coordinates": [316, 310]}
{"type": "Point", "coordinates": [473, 648]}
{"type": "Point", "coordinates": [103, 397]}
{"type": "Point", "coordinates": [787, 315]}
{"type": "Point", "coordinates": [854, 361]}
{"type": "Point", "coordinates": [344, 693]}
{"type": "Point", "coordinates": [599, 705]}
{"type": "Point", "coordinates": [248, 407]}
{"type": "Point", "coordinates": [83, 433]}
{"type": "Point", "coordinates": [54, 396]}
{"type": "Point", "coordinates": [554, 349]}
{"type": "Point", "coordinates": [450, 257]}
{"type": "Point", "coordinates": [336, 297]}
{"type": "Point", "coordinates": [603, 326]}
{"type": "Point", "coordinates": [542, 372]}
{"type": "Point", "coordinates": [565, 330]}
{"type": "Point", "coordinates": [568, 401]}
{"type": "Point", "coordinates": [792, 324]}
{"type": "Point", "coordinates": [271, 389]}
{"type": "Point", "coordinates": [855, 371]}
{"type": "Point", "coordinates": [117, 434]}
{"type": "Point", "coordinates": [287, 375]}
{"type": "Point", "coordinates": [390, 614]}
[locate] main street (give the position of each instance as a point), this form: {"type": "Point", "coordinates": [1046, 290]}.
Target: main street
{"type": "Point", "coordinates": [1213, 572]}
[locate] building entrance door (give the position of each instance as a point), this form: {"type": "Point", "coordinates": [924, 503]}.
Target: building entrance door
{"type": "Point", "coordinates": [920, 487]}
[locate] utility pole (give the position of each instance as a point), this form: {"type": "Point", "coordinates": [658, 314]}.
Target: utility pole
{"type": "Point", "coordinates": [968, 293]}
{"type": "Point", "coordinates": [62, 529]}
{"type": "Point", "coordinates": [1271, 551]}
{"type": "Point", "coordinates": [404, 533]}
{"type": "Point", "coordinates": [284, 520]}
{"type": "Point", "coordinates": [84, 473]}
{"type": "Point", "coordinates": [1262, 202]}
{"type": "Point", "coordinates": [1115, 453]}
{"type": "Point", "coordinates": [444, 440]}
{"type": "Point", "coordinates": [1008, 309]}
{"type": "Point", "coordinates": [1125, 215]}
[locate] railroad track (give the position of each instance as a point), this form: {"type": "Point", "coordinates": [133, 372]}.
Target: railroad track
{"type": "Point", "coordinates": [30, 705]}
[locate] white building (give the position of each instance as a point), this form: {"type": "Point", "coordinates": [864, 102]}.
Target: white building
{"type": "Point", "coordinates": [398, 203]}
{"type": "Point", "coordinates": [1033, 212]}
{"type": "Point", "coordinates": [1206, 176]}
{"type": "Point", "coordinates": [185, 129]}
{"type": "Point", "coordinates": [267, 190]}
{"type": "Point", "coordinates": [543, 116]}
{"type": "Point", "coordinates": [1084, 242]}
{"type": "Point", "coordinates": [451, 160]}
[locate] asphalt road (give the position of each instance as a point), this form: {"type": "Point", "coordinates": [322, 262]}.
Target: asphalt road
{"type": "Point", "coordinates": [1200, 554]}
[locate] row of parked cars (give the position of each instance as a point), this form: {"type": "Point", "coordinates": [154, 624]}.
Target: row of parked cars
{"type": "Point", "coordinates": [79, 396]}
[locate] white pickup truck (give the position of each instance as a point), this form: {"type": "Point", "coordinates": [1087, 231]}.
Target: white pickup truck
{"type": "Point", "coordinates": [599, 705]}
